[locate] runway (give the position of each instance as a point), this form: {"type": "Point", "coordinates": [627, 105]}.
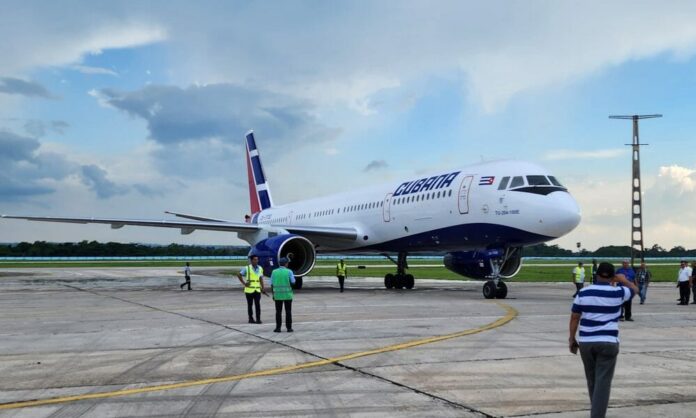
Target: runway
{"type": "Point", "coordinates": [127, 342]}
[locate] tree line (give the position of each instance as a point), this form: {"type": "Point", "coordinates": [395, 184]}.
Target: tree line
{"type": "Point", "coordinates": [543, 250]}
{"type": "Point", "coordinates": [116, 249]}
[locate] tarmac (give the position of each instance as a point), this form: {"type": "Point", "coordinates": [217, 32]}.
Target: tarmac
{"type": "Point", "coordinates": [127, 342]}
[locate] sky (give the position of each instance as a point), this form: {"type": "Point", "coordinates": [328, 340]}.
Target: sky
{"type": "Point", "coordinates": [130, 108]}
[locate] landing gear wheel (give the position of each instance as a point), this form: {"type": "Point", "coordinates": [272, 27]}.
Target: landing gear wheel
{"type": "Point", "coordinates": [399, 281]}
{"type": "Point", "coordinates": [409, 281]}
{"type": "Point", "coordinates": [489, 290]}
{"type": "Point", "coordinates": [501, 292]}
{"type": "Point", "coordinates": [389, 281]}
{"type": "Point", "coordinates": [298, 283]}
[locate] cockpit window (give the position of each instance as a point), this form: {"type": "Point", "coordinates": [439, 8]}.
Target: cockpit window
{"type": "Point", "coordinates": [503, 183]}
{"type": "Point", "coordinates": [555, 182]}
{"type": "Point", "coordinates": [537, 181]}
{"type": "Point", "coordinates": [517, 181]}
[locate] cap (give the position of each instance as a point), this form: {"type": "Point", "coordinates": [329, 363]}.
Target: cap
{"type": "Point", "coordinates": [605, 270]}
{"type": "Point", "coordinates": [625, 260]}
{"type": "Point", "coordinates": [283, 261]}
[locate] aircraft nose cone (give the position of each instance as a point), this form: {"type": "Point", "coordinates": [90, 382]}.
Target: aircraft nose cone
{"type": "Point", "coordinates": [563, 216]}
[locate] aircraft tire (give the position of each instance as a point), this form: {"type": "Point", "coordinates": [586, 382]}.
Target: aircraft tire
{"type": "Point", "coordinates": [399, 281]}
{"type": "Point", "coordinates": [489, 290]}
{"type": "Point", "coordinates": [409, 281]}
{"type": "Point", "coordinates": [501, 292]}
{"type": "Point", "coordinates": [389, 281]}
{"type": "Point", "coordinates": [298, 283]}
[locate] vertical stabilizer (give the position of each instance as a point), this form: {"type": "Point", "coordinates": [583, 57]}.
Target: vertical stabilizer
{"type": "Point", "coordinates": [259, 191]}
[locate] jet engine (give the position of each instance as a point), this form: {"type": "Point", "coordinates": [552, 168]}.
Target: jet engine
{"type": "Point", "coordinates": [477, 264]}
{"type": "Point", "coordinates": [298, 250]}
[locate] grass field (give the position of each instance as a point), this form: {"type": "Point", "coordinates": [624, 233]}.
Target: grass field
{"type": "Point", "coordinates": [532, 270]}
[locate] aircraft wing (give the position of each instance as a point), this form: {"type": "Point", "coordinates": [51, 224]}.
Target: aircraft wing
{"type": "Point", "coordinates": [188, 227]}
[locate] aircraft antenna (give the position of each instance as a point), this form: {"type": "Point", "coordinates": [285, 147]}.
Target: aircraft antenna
{"type": "Point", "coordinates": [637, 245]}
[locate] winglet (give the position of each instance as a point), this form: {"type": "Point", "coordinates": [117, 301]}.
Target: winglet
{"type": "Point", "coordinates": [259, 190]}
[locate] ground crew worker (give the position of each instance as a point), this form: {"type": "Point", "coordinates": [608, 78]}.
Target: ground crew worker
{"type": "Point", "coordinates": [643, 277]}
{"type": "Point", "coordinates": [282, 280]}
{"type": "Point", "coordinates": [627, 271]}
{"type": "Point", "coordinates": [341, 273]}
{"type": "Point", "coordinates": [683, 279]}
{"type": "Point", "coordinates": [187, 276]}
{"type": "Point", "coordinates": [578, 278]}
{"type": "Point", "coordinates": [253, 286]}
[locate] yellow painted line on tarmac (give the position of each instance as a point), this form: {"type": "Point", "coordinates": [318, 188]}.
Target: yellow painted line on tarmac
{"type": "Point", "coordinates": [510, 314]}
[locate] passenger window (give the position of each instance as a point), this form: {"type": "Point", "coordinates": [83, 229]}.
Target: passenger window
{"type": "Point", "coordinates": [537, 181]}
{"type": "Point", "coordinates": [555, 182]}
{"type": "Point", "coordinates": [517, 182]}
{"type": "Point", "coordinates": [504, 183]}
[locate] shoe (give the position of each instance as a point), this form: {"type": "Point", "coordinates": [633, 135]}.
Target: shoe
{"type": "Point", "coordinates": [276, 330]}
{"type": "Point", "coordinates": [251, 321]}
{"type": "Point", "coordinates": [259, 322]}
{"type": "Point", "coordinates": [290, 330]}
{"type": "Point", "coordinates": [630, 319]}
{"type": "Point", "coordinates": [641, 303]}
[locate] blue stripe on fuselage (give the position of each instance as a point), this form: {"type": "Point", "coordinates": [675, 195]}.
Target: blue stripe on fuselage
{"type": "Point", "coordinates": [452, 238]}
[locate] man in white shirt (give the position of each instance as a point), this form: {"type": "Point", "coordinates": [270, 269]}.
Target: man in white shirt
{"type": "Point", "coordinates": [187, 277]}
{"type": "Point", "coordinates": [683, 282]}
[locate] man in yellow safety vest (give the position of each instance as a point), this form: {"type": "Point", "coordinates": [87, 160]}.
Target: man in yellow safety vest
{"type": "Point", "coordinates": [578, 278]}
{"type": "Point", "coordinates": [341, 273]}
{"type": "Point", "coordinates": [253, 286]}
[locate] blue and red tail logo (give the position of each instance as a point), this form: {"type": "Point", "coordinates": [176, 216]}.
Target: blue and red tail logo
{"type": "Point", "coordinates": [259, 192]}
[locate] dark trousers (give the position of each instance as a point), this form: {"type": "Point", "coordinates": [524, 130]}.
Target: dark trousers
{"type": "Point", "coordinates": [288, 313]}
{"type": "Point", "coordinates": [341, 280]}
{"type": "Point", "coordinates": [626, 308]}
{"type": "Point", "coordinates": [186, 283]}
{"type": "Point", "coordinates": [693, 290]}
{"type": "Point", "coordinates": [578, 287]}
{"type": "Point", "coordinates": [256, 299]}
{"type": "Point", "coordinates": [599, 360]}
{"type": "Point", "coordinates": [684, 293]}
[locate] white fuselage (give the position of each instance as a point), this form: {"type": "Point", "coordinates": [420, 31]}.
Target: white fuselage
{"type": "Point", "coordinates": [446, 211]}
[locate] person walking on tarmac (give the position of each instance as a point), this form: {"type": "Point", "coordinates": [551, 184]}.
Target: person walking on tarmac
{"type": "Point", "coordinates": [341, 272]}
{"type": "Point", "coordinates": [187, 276]}
{"type": "Point", "coordinates": [282, 280]}
{"type": "Point", "coordinates": [578, 278]}
{"type": "Point", "coordinates": [627, 271]}
{"type": "Point", "coordinates": [253, 286]}
{"type": "Point", "coordinates": [683, 279]}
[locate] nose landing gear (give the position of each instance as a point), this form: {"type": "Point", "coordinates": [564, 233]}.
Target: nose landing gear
{"type": "Point", "coordinates": [496, 287]}
{"type": "Point", "coordinates": [399, 280]}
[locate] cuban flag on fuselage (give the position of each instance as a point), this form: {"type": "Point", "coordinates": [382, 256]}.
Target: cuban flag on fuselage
{"type": "Point", "coordinates": [486, 180]}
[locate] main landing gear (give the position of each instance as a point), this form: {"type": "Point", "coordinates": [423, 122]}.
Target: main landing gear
{"type": "Point", "coordinates": [399, 280]}
{"type": "Point", "coordinates": [495, 288]}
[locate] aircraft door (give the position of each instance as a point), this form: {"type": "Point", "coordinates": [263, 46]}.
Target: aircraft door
{"type": "Point", "coordinates": [386, 208]}
{"type": "Point", "coordinates": [463, 199]}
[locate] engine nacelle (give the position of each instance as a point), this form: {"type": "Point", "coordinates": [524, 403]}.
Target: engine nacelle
{"type": "Point", "coordinates": [299, 250]}
{"type": "Point", "coordinates": [476, 264]}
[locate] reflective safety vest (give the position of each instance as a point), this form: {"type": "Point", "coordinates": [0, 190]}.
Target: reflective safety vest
{"type": "Point", "coordinates": [579, 273]}
{"type": "Point", "coordinates": [280, 280]}
{"type": "Point", "coordinates": [341, 269]}
{"type": "Point", "coordinates": [253, 279]}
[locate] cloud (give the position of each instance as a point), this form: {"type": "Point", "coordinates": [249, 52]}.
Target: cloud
{"type": "Point", "coordinates": [96, 178]}
{"type": "Point", "coordinates": [680, 179]}
{"type": "Point", "coordinates": [10, 85]}
{"type": "Point", "coordinates": [85, 69]}
{"type": "Point", "coordinates": [38, 128]}
{"type": "Point", "coordinates": [568, 154]}
{"type": "Point", "coordinates": [376, 165]}
{"type": "Point", "coordinates": [175, 114]}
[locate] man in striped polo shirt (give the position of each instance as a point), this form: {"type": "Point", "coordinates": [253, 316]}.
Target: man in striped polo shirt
{"type": "Point", "coordinates": [596, 310]}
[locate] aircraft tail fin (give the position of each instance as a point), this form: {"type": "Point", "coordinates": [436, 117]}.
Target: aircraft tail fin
{"type": "Point", "coordinates": [259, 190]}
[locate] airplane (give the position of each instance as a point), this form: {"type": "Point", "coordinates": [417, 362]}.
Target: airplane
{"type": "Point", "coordinates": [479, 216]}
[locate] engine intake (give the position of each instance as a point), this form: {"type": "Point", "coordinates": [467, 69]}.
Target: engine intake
{"type": "Point", "coordinates": [476, 264]}
{"type": "Point", "coordinates": [299, 250]}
